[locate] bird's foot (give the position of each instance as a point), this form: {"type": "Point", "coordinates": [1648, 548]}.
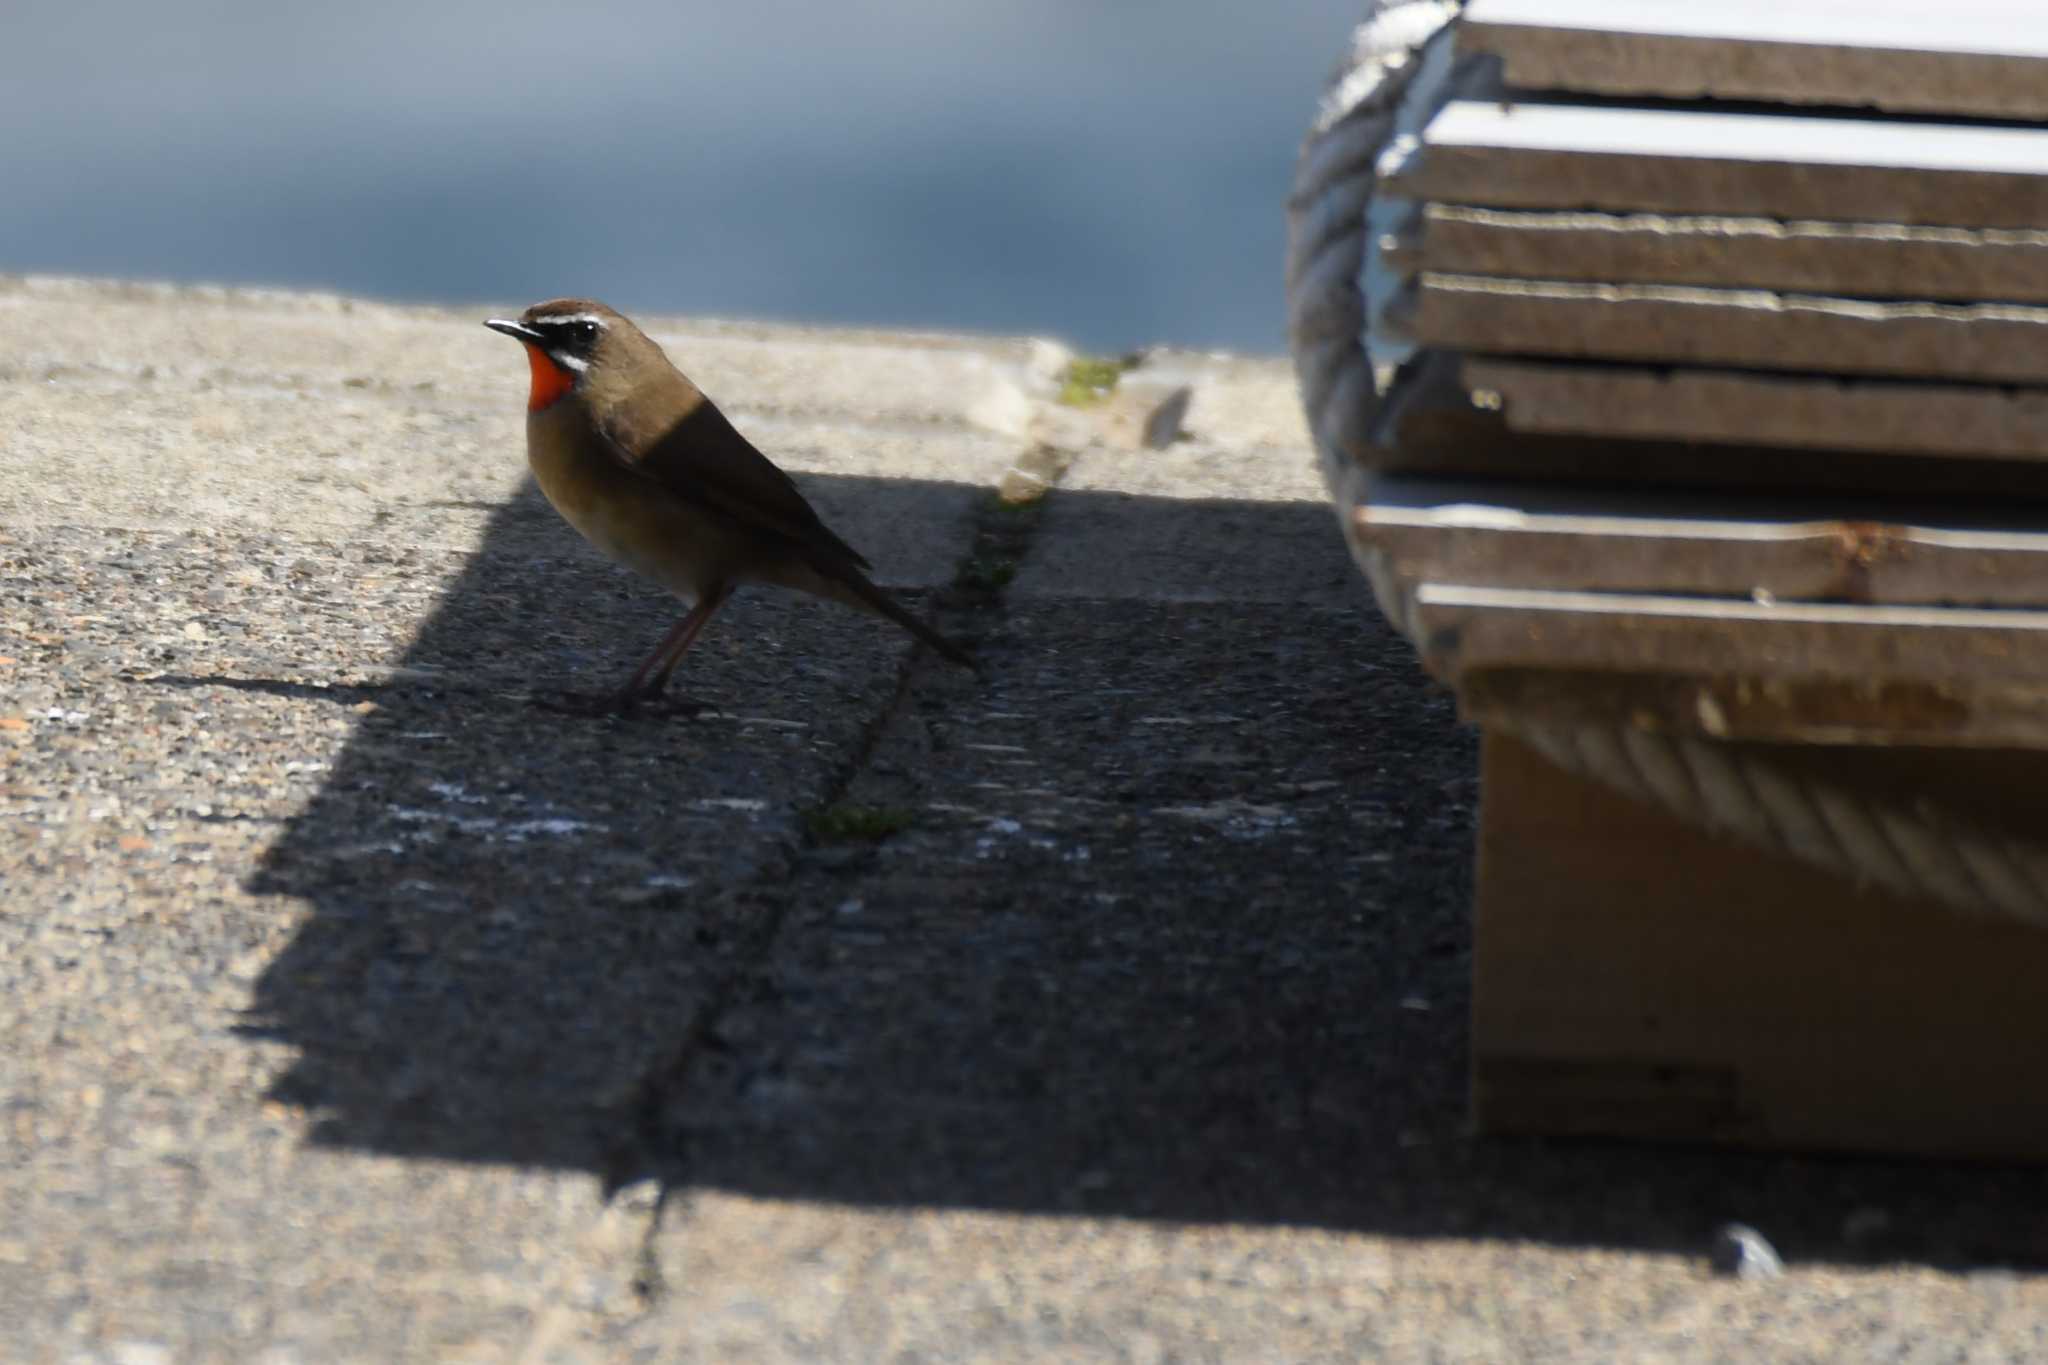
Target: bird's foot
{"type": "Point", "coordinates": [624, 702]}
{"type": "Point", "coordinates": [581, 703]}
{"type": "Point", "coordinates": [661, 704]}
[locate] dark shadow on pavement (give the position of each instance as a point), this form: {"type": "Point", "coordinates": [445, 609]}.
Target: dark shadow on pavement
{"type": "Point", "coordinates": [1172, 921]}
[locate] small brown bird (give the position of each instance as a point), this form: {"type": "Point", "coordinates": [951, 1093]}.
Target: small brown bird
{"type": "Point", "coordinates": [636, 458]}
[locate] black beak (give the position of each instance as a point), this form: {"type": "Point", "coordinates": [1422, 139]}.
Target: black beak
{"type": "Point", "coordinates": [518, 331]}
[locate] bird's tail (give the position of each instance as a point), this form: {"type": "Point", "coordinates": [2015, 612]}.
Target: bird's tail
{"type": "Point", "coordinates": [857, 591]}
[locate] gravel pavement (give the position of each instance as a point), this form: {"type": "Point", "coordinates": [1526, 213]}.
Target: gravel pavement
{"type": "Point", "coordinates": [1107, 1006]}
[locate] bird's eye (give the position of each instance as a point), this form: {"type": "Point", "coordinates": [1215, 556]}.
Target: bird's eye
{"type": "Point", "coordinates": [584, 331]}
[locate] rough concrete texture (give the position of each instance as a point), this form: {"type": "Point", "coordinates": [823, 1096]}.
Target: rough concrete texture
{"type": "Point", "coordinates": [1108, 1006]}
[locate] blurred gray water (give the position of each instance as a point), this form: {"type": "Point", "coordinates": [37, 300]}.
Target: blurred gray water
{"type": "Point", "coordinates": [1107, 171]}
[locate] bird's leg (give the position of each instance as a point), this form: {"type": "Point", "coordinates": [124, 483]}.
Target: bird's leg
{"type": "Point", "coordinates": [675, 648]}
{"type": "Point", "coordinates": [636, 688]}
{"type": "Point", "coordinates": [670, 651]}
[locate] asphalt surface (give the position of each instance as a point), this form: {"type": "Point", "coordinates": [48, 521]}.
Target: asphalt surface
{"type": "Point", "coordinates": [1108, 1005]}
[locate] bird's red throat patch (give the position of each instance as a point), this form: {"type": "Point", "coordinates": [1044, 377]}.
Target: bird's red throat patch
{"type": "Point", "coordinates": [550, 381]}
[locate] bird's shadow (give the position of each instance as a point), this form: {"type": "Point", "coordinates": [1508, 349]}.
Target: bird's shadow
{"type": "Point", "coordinates": [339, 694]}
{"type": "Point", "coordinates": [1168, 919]}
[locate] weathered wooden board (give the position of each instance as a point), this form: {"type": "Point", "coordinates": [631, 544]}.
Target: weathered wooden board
{"type": "Point", "coordinates": [1487, 627]}
{"type": "Point", "coordinates": [1868, 550]}
{"type": "Point", "coordinates": [1824, 413]}
{"type": "Point", "coordinates": [1666, 161]}
{"type": "Point", "coordinates": [1636, 977]}
{"type": "Point", "coordinates": [1433, 425]}
{"type": "Point", "coordinates": [1682, 324]}
{"type": "Point", "coordinates": [1865, 260]}
{"type": "Point", "coordinates": [1986, 58]}
{"type": "Point", "coordinates": [1799, 672]}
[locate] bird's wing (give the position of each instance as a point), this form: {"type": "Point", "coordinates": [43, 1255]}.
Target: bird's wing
{"type": "Point", "coordinates": [702, 457]}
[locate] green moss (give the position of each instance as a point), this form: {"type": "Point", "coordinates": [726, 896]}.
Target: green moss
{"type": "Point", "coordinates": [987, 573]}
{"type": "Point", "coordinates": [1010, 511]}
{"type": "Point", "coordinates": [1090, 379]}
{"type": "Point", "coordinates": [847, 823]}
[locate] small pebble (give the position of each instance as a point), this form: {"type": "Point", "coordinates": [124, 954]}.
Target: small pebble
{"type": "Point", "coordinates": [1742, 1251]}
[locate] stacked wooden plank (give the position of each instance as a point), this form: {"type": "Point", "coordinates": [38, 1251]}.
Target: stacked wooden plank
{"type": "Point", "coordinates": [1836, 280]}
{"type": "Point", "coordinates": [1791, 621]}
{"type": "Point", "coordinates": [1981, 58]}
{"type": "Point", "coordinates": [1728, 426]}
{"type": "Point", "coordinates": [1658, 297]}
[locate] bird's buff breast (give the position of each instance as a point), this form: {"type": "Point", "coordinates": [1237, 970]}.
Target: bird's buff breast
{"type": "Point", "coordinates": [621, 515]}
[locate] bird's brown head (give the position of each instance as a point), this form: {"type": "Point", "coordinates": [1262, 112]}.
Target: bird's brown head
{"type": "Point", "coordinates": [573, 344]}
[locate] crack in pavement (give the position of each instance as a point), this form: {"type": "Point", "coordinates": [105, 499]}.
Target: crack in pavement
{"type": "Point", "coordinates": [651, 1149]}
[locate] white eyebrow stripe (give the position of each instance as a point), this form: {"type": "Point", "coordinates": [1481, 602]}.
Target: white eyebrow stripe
{"type": "Point", "coordinates": [553, 318]}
